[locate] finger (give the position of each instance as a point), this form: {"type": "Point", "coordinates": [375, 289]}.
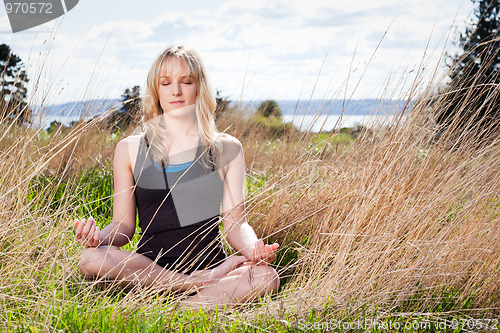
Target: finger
{"type": "Point", "coordinates": [87, 228]}
{"type": "Point", "coordinates": [258, 249]}
{"type": "Point", "coordinates": [275, 246]}
{"type": "Point", "coordinates": [262, 251]}
{"type": "Point", "coordinates": [96, 239]}
{"type": "Point", "coordinates": [78, 231]}
{"type": "Point", "coordinates": [90, 235]}
{"type": "Point", "coordinates": [75, 227]}
{"type": "Point", "coordinates": [269, 253]}
{"type": "Point", "coordinates": [97, 235]}
{"type": "Point", "coordinates": [246, 263]}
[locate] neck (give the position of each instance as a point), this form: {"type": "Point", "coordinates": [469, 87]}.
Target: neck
{"type": "Point", "coordinates": [181, 123]}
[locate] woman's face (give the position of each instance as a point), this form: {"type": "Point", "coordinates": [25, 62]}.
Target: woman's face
{"type": "Point", "coordinates": [176, 89]}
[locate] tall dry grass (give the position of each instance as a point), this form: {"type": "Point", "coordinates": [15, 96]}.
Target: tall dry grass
{"type": "Point", "coordinates": [406, 220]}
{"type": "Point", "coordinates": [400, 218]}
{"type": "Point", "coordinates": [395, 218]}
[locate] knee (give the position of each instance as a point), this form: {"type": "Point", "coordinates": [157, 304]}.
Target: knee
{"type": "Point", "coordinates": [92, 262]}
{"type": "Point", "coordinates": [265, 278]}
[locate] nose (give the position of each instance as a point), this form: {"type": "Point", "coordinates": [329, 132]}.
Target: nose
{"type": "Point", "coordinates": [176, 89]}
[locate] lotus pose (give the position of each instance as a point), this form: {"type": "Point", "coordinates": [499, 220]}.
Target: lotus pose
{"type": "Point", "coordinates": [184, 178]}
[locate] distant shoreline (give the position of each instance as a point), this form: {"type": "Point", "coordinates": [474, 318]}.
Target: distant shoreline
{"type": "Point", "coordinates": [302, 114]}
{"type": "Point", "coordinates": [318, 124]}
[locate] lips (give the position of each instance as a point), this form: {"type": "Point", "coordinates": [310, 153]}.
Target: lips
{"type": "Point", "coordinates": [176, 102]}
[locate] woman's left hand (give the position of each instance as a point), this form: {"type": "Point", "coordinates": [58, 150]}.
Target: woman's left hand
{"type": "Point", "coordinates": [228, 265]}
{"type": "Point", "coordinates": [264, 253]}
{"type": "Point", "coordinates": [204, 277]}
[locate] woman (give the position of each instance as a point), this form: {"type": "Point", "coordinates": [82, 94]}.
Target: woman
{"type": "Point", "coordinates": [178, 197]}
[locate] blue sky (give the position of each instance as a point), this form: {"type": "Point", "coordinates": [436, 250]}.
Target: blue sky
{"type": "Point", "coordinates": [252, 49]}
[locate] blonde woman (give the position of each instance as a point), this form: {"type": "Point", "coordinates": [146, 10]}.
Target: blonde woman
{"type": "Point", "coordinates": [178, 172]}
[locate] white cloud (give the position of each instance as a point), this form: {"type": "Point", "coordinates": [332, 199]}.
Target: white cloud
{"type": "Point", "coordinates": [286, 41]}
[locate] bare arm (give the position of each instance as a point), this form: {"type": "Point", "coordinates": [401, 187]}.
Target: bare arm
{"type": "Point", "coordinates": [122, 228]}
{"type": "Point", "coordinates": [238, 232]}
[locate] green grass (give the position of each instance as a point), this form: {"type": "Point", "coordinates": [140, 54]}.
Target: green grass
{"type": "Point", "coordinates": [104, 316]}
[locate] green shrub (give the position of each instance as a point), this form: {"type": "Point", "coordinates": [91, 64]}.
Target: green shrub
{"type": "Point", "coordinates": [269, 108]}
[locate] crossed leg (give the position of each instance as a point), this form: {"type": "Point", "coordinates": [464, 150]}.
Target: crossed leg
{"type": "Point", "coordinates": [242, 284]}
{"type": "Point", "coordinates": [231, 285]}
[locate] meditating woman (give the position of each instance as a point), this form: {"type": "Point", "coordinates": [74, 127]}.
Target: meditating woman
{"type": "Point", "coordinates": [178, 172]}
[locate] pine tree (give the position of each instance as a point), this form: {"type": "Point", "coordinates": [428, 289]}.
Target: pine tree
{"type": "Point", "coordinates": [13, 87]}
{"type": "Point", "coordinates": [130, 112]}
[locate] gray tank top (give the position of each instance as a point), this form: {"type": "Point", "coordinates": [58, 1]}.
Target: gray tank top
{"type": "Point", "coordinates": [179, 212]}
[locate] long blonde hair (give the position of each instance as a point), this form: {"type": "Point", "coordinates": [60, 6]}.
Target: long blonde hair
{"type": "Point", "coordinates": [154, 130]}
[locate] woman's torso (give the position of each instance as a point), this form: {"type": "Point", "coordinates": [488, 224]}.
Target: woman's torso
{"type": "Point", "coordinates": [178, 211]}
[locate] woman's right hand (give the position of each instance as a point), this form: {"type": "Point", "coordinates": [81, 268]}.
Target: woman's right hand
{"type": "Point", "coordinates": [87, 233]}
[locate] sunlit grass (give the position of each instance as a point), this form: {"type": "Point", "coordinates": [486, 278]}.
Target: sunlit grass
{"type": "Point", "coordinates": [394, 224]}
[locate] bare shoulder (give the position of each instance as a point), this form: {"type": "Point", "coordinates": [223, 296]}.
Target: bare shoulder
{"type": "Point", "coordinates": [127, 148]}
{"type": "Point", "coordinates": [229, 139]}
{"type": "Point", "coordinates": [133, 138]}
{"type": "Point", "coordinates": [232, 149]}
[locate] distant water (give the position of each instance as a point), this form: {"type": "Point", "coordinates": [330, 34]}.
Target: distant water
{"type": "Point", "coordinates": [327, 123]}
{"type": "Point", "coordinates": [316, 115]}
{"type": "Point", "coordinates": [306, 115]}
{"type": "Point", "coordinates": [46, 120]}
{"type": "Point", "coordinates": [72, 111]}
{"type": "Point", "coordinates": [357, 107]}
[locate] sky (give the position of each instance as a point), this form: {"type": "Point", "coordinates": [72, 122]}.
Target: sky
{"type": "Point", "coordinates": [253, 50]}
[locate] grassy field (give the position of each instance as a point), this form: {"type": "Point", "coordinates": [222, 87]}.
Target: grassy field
{"type": "Point", "coordinates": [388, 229]}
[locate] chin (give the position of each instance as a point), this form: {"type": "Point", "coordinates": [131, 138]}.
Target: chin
{"type": "Point", "coordinates": [180, 107]}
